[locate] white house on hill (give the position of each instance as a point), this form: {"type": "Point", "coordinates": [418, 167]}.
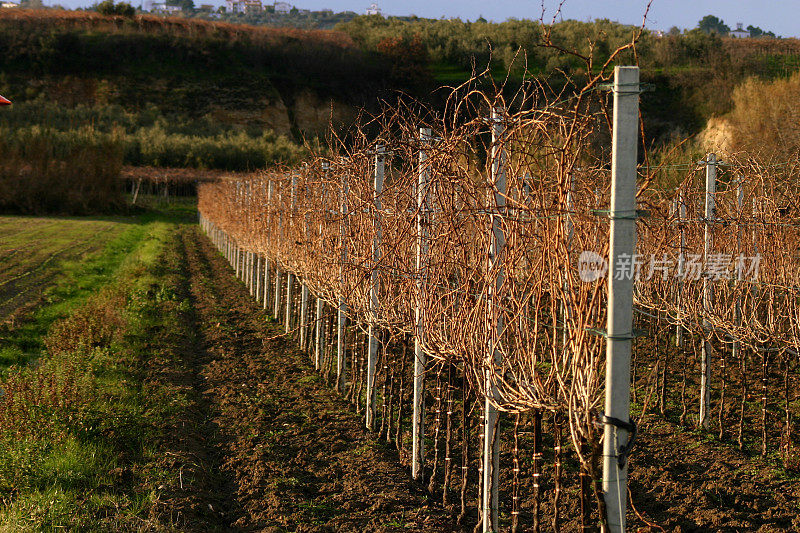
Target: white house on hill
{"type": "Point", "coordinates": [162, 8]}
{"type": "Point", "coordinates": [373, 9]}
{"type": "Point", "coordinates": [740, 32]}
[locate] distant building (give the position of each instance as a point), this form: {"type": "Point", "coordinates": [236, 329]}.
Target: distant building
{"type": "Point", "coordinates": [5, 5]}
{"type": "Point", "coordinates": [252, 6]}
{"type": "Point", "coordinates": [282, 8]}
{"type": "Point", "coordinates": [243, 6]}
{"type": "Point", "coordinates": [373, 9]}
{"type": "Point", "coordinates": [161, 8]}
{"type": "Point", "coordinates": [740, 32]}
{"type": "Point", "coordinates": [206, 7]}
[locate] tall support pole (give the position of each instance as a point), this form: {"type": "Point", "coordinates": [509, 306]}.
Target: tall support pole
{"type": "Point", "coordinates": [290, 275]}
{"type": "Point", "coordinates": [569, 230]}
{"type": "Point", "coordinates": [253, 274]}
{"type": "Point", "coordinates": [622, 244]}
{"type": "Point", "coordinates": [341, 355]}
{"type": "Point", "coordinates": [681, 210]}
{"type": "Point", "coordinates": [266, 258]}
{"type": "Point", "coordinates": [289, 302]}
{"type": "Point", "coordinates": [246, 269]}
{"type": "Point", "coordinates": [304, 293]}
{"type": "Point", "coordinates": [251, 262]}
{"type": "Point", "coordinates": [320, 303]}
{"type": "Point", "coordinates": [708, 292]}
{"type": "Point", "coordinates": [266, 293]}
{"type": "Point", "coordinates": [303, 314]}
{"type": "Point", "coordinates": [257, 276]}
{"type": "Point", "coordinates": [491, 438]}
{"type": "Point", "coordinates": [276, 309]}
{"type": "Point", "coordinates": [740, 273]}
{"type": "Point", "coordinates": [418, 421]}
{"type": "Point", "coordinates": [374, 304]}
{"type": "Point", "coordinates": [318, 333]}
{"type": "Point", "coordinates": [238, 259]}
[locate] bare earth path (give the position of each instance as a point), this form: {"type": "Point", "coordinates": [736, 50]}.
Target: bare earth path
{"type": "Point", "coordinates": [262, 443]}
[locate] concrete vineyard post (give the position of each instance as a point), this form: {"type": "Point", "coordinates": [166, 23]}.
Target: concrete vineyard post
{"type": "Point", "coordinates": [287, 319]}
{"type": "Point", "coordinates": [266, 284]}
{"type": "Point", "coordinates": [569, 230]}
{"type": "Point", "coordinates": [303, 313]}
{"type": "Point", "coordinates": [290, 275]}
{"type": "Point", "coordinates": [267, 291]}
{"type": "Point", "coordinates": [304, 290]}
{"type": "Point", "coordinates": [258, 278]}
{"type": "Point", "coordinates": [374, 304]}
{"type": "Point", "coordinates": [708, 290]}
{"type": "Point", "coordinates": [418, 416]}
{"type": "Point", "coordinates": [619, 329]}
{"type": "Point", "coordinates": [238, 260]}
{"type": "Point", "coordinates": [681, 209]}
{"type": "Point", "coordinates": [251, 261]}
{"type": "Point", "coordinates": [276, 310]}
{"type": "Point", "coordinates": [318, 333]}
{"type": "Point", "coordinates": [736, 350]}
{"type": "Point", "coordinates": [491, 440]}
{"type": "Point", "coordinates": [253, 274]}
{"type": "Point", "coordinates": [320, 303]}
{"type": "Point", "coordinates": [341, 355]}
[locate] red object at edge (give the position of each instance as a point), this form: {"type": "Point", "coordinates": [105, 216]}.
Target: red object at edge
{"type": "Point", "coordinates": [4, 101]}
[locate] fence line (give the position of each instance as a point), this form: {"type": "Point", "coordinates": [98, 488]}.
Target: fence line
{"type": "Point", "coordinates": [484, 254]}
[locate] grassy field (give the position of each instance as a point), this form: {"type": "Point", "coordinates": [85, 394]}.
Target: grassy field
{"type": "Point", "coordinates": [50, 266]}
{"type": "Point", "coordinates": [71, 416]}
{"type": "Point", "coordinates": [40, 261]}
{"type": "Point", "coordinates": [129, 413]}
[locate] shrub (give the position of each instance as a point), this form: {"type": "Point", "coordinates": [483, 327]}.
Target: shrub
{"type": "Point", "coordinates": [50, 172]}
{"type": "Point", "coordinates": [108, 7]}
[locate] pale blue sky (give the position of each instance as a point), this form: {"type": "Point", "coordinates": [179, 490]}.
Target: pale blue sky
{"type": "Point", "coordinates": [780, 16]}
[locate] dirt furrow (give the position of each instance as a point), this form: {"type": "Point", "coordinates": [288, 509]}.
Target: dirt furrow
{"type": "Point", "coordinates": [202, 498]}
{"type": "Point", "coordinates": [298, 459]}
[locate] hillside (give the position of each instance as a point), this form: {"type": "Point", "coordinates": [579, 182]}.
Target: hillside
{"type": "Point", "coordinates": [280, 79]}
{"type": "Point", "coordinates": [194, 93]}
